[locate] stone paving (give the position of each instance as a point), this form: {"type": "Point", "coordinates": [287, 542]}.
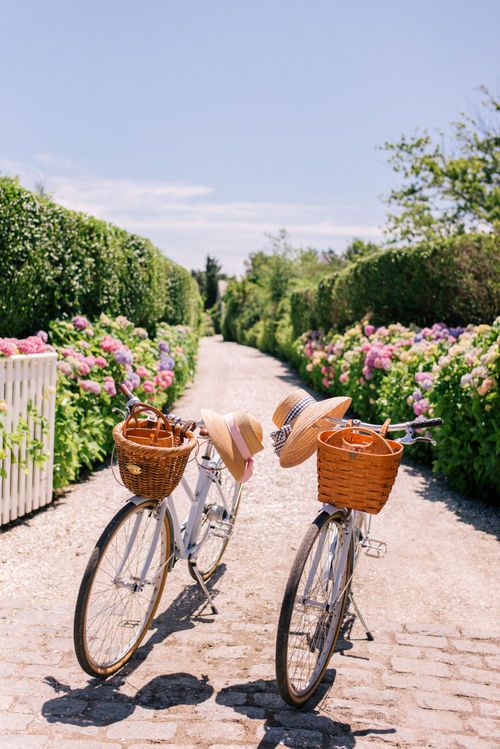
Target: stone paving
{"type": "Point", "coordinates": [430, 678]}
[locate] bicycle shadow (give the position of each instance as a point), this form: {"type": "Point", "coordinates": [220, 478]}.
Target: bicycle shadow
{"type": "Point", "coordinates": [307, 728]}
{"type": "Point", "coordinates": [101, 703]}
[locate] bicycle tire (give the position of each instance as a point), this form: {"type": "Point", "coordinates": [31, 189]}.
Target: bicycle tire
{"type": "Point", "coordinates": [224, 527]}
{"type": "Point", "coordinates": [325, 633]}
{"type": "Point", "coordinates": [85, 646]}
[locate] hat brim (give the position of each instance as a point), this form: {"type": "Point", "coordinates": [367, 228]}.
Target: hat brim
{"type": "Point", "coordinates": [302, 441]}
{"type": "Point", "coordinates": [220, 436]}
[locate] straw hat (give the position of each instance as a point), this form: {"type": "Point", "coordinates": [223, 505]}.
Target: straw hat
{"type": "Point", "coordinates": [298, 418]}
{"type": "Point", "coordinates": [222, 433]}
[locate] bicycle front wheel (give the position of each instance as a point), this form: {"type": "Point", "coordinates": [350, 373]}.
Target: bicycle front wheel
{"type": "Point", "coordinates": [311, 616]}
{"type": "Point", "coordinates": [121, 587]}
{"type": "Point", "coordinates": [219, 516]}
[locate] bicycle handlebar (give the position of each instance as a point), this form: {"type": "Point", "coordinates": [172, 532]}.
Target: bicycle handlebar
{"type": "Point", "coordinates": [424, 423]}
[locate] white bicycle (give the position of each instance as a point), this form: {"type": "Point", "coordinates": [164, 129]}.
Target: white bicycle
{"type": "Point", "coordinates": [127, 570]}
{"type": "Point", "coordinates": [319, 585]}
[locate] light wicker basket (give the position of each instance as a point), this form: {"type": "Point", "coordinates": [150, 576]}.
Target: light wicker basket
{"type": "Point", "coordinates": [357, 468]}
{"type": "Point", "coordinates": [151, 470]}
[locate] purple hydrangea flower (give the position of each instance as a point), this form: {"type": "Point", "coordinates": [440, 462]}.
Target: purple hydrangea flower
{"type": "Point", "coordinates": [166, 362]}
{"type": "Point", "coordinates": [164, 347]}
{"type": "Point", "coordinates": [134, 379]}
{"type": "Point", "coordinates": [124, 356]}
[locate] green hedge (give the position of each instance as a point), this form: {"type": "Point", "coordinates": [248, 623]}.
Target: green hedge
{"type": "Point", "coordinates": [56, 263]}
{"type": "Point", "coordinates": [455, 281]}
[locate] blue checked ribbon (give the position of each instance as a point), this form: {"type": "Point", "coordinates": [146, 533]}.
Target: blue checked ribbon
{"type": "Point", "coordinates": [280, 436]}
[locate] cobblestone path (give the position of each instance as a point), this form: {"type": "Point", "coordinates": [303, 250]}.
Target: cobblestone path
{"type": "Point", "coordinates": [430, 678]}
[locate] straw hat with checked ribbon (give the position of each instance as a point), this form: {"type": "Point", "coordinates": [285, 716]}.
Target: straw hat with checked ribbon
{"type": "Point", "coordinates": [299, 418]}
{"type": "Point", "coordinates": [237, 437]}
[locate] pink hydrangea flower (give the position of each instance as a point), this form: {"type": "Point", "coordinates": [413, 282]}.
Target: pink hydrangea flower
{"type": "Point", "coordinates": [486, 386]}
{"type": "Point", "coordinates": [109, 386]}
{"type": "Point", "coordinates": [90, 386]}
{"type": "Point", "coordinates": [64, 367]}
{"type": "Point", "coordinates": [149, 386]}
{"type": "Point", "coordinates": [142, 372]}
{"type": "Point", "coordinates": [164, 379]}
{"type": "Point", "coordinates": [84, 368]}
{"type": "Point", "coordinates": [110, 344]}
{"type": "Point", "coordinates": [369, 330]}
{"type": "Point", "coordinates": [7, 348]}
{"type": "Point", "coordinates": [421, 406]}
{"type": "Point", "coordinates": [31, 345]}
{"type": "Point", "coordinates": [101, 362]}
{"type": "Point", "coordinates": [344, 377]}
{"type": "Point", "coordinates": [80, 322]}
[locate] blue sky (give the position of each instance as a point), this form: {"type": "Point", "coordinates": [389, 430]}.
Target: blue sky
{"type": "Point", "coordinates": [204, 125]}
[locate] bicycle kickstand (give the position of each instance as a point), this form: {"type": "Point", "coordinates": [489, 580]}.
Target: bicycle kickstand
{"type": "Point", "coordinates": [204, 589]}
{"type": "Point", "coordinates": [369, 635]}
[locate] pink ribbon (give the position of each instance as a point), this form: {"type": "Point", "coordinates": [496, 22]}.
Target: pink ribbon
{"type": "Point", "coordinates": [241, 445]}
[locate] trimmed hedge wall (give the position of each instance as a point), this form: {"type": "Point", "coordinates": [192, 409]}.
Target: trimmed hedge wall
{"type": "Point", "coordinates": [55, 263]}
{"type": "Point", "coordinates": [456, 281]}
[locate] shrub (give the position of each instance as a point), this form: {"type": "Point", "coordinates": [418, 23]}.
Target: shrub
{"type": "Point", "coordinates": [402, 373]}
{"type": "Point", "coordinates": [303, 311]}
{"type": "Point", "coordinates": [454, 280]}
{"type": "Point", "coordinates": [56, 263]}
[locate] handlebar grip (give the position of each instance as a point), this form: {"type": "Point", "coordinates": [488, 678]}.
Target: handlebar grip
{"type": "Point", "coordinates": [126, 392]}
{"type": "Point", "coordinates": [424, 423]}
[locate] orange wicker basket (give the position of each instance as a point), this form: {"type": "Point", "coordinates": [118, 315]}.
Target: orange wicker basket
{"type": "Point", "coordinates": [357, 468]}
{"type": "Point", "coordinates": [152, 470]}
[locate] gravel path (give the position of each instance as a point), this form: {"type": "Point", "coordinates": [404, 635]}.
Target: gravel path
{"type": "Point", "coordinates": [427, 680]}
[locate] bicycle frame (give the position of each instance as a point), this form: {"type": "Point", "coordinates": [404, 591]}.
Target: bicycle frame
{"type": "Point", "coordinates": [185, 534]}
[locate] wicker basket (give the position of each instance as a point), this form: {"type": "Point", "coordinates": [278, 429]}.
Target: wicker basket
{"type": "Point", "coordinates": [146, 432]}
{"type": "Point", "coordinates": [356, 468]}
{"type": "Point", "coordinates": [152, 471]}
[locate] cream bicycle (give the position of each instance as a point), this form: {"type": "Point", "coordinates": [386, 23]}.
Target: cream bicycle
{"type": "Point", "coordinates": [127, 570]}
{"type": "Point", "coordinates": [319, 586]}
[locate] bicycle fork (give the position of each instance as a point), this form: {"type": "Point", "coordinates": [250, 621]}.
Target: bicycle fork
{"type": "Point", "coordinates": [138, 584]}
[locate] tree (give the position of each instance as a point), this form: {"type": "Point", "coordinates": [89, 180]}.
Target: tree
{"type": "Point", "coordinates": [212, 275]}
{"type": "Point", "coordinates": [358, 248]}
{"type": "Point", "coordinates": [448, 193]}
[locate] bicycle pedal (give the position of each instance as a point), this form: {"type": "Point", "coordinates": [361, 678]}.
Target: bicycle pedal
{"type": "Point", "coordinates": [374, 548]}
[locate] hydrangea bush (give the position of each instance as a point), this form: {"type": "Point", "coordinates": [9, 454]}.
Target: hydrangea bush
{"type": "Point", "coordinates": [94, 359]}
{"type": "Point", "coordinates": [402, 373]}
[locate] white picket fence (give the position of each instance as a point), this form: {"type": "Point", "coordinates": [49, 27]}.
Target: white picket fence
{"type": "Point", "coordinates": [24, 379]}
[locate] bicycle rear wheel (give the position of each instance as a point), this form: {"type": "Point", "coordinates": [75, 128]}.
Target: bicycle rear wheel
{"type": "Point", "coordinates": [114, 609]}
{"type": "Point", "coordinates": [310, 621]}
{"type": "Point", "coordinates": [219, 515]}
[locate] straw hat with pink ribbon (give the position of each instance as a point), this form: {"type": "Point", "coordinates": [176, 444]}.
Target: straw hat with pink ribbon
{"type": "Point", "coordinates": [299, 418]}
{"type": "Point", "coordinates": [237, 436]}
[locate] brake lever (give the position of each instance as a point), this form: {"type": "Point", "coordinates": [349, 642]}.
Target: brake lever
{"type": "Point", "coordinates": [411, 437]}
